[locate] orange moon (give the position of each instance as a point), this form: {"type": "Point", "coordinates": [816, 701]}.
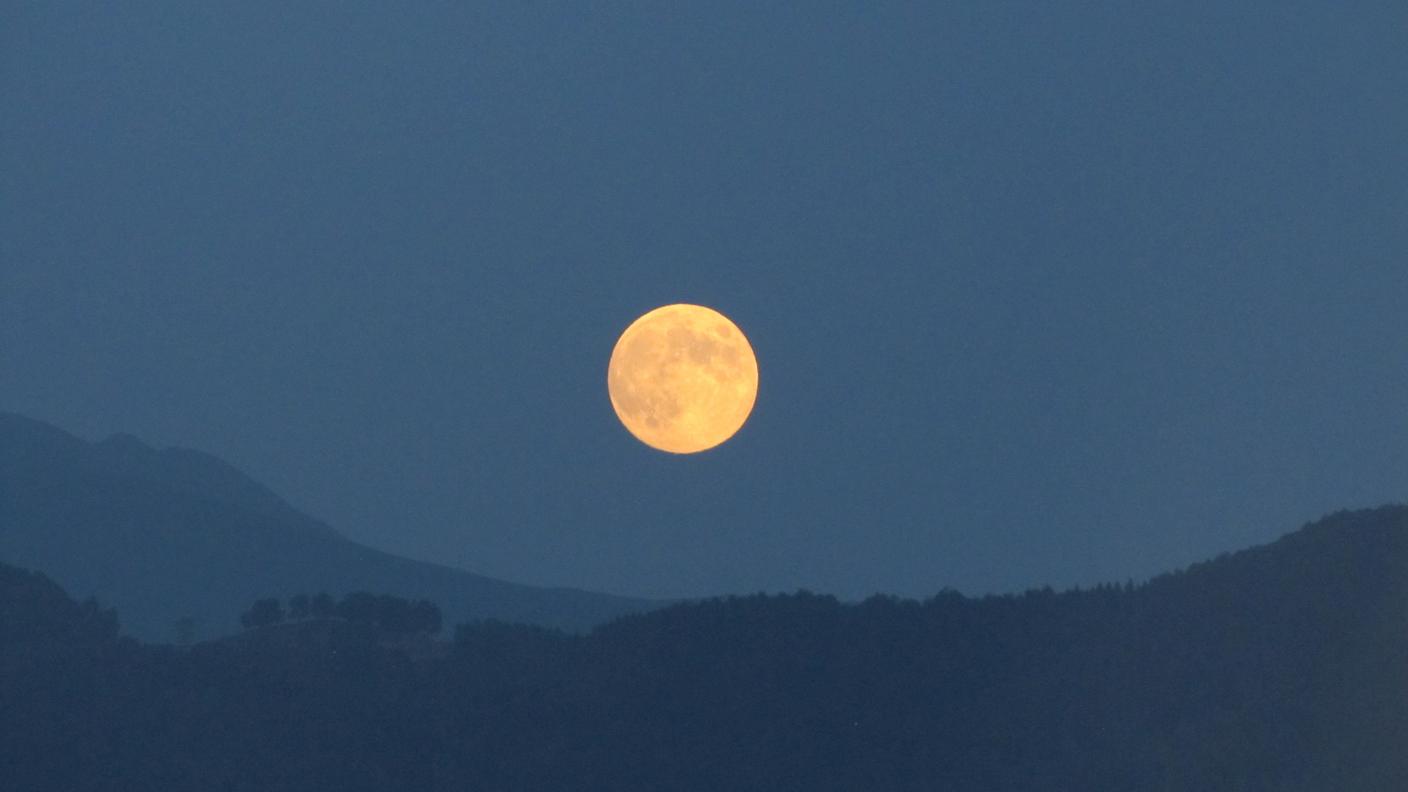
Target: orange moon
{"type": "Point", "coordinates": [682, 378]}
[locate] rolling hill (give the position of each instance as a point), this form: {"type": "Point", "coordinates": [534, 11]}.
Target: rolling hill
{"type": "Point", "coordinates": [1281, 668]}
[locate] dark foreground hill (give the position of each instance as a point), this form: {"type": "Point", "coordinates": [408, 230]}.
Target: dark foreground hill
{"type": "Point", "coordinates": [1283, 668]}
{"type": "Point", "coordinates": [179, 537]}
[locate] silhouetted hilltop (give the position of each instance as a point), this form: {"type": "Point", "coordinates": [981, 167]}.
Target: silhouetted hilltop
{"type": "Point", "coordinates": [35, 610]}
{"type": "Point", "coordinates": [1283, 667]}
{"type": "Point", "coordinates": [179, 537]}
{"type": "Point", "coordinates": [1278, 667]}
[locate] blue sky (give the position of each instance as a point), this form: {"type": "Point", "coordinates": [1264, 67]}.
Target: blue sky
{"type": "Point", "coordinates": [1040, 293]}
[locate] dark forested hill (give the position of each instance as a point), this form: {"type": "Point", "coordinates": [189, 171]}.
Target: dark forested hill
{"type": "Point", "coordinates": [1283, 667]}
{"type": "Point", "coordinates": [177, 536]}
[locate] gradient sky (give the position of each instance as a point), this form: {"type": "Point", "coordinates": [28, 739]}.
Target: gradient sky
{"type": "Point", "coordinates": [1041, 293]}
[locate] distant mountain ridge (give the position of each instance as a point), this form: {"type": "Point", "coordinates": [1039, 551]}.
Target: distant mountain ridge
{"type": "Point", "coordinates": [175, 534]}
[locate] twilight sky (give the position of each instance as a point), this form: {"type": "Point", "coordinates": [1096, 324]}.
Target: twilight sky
{"type": "Point", "coordinates": [1041, 293]}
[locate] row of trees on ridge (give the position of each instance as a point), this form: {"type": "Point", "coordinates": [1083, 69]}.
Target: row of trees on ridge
{"type": "Point", "coordinates": [387, 613]}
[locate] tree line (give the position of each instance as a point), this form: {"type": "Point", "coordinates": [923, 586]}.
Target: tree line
{"type": "Point", "coordinates": [1282, 668]}
{"type": "Point", "coordinates": [388, 614]}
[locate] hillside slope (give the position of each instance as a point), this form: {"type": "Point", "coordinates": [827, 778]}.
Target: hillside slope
{"type": "Point", "coordinates": [1281, 668]}
{"type": "Point", "coordinates": [170, 535]}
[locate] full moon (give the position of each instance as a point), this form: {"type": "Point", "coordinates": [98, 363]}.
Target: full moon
{"type": "Point", "coordinates": [682, 378]}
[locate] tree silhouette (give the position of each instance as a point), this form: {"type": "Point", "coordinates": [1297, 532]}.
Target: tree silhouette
{"type": "Point", "coordinates": [425, 617]}
{"type": "Point", "coordinates": [299, 607]}
{"type": "Point", "coordinates": [390, 615]}
{"type": "Point", "coordinates": [183, 631]}
{"type": "Point", "coordinates": [262, 614]}
{"type": "Point", "coordinates": [322, 606]}
{"type": "Point", "coordinates": [359, 607]}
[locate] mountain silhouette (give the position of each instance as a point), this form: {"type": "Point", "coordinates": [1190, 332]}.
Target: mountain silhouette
{"type": "Point", "coordinates": [1280, 668]}
{"type": "Point", "coordinates": [177, 536]}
